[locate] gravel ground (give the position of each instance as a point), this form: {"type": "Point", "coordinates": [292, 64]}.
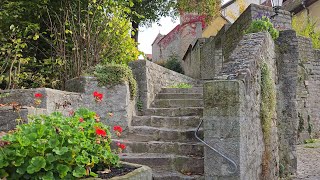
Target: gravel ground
{"type": "Point", "coordinates": [308, 162]}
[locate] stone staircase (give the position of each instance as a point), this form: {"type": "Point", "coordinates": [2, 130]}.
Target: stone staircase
{"type": "Point", "coordinates": [163, 138]}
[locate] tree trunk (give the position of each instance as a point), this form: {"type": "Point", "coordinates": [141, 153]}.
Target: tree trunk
{"type": "Point", "coordinates": [135, 31]}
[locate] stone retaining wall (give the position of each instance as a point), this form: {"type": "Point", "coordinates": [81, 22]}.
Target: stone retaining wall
{"type": "Point", "coordinates": [151, 78]}
{"type": "Point", "coordinates": [232, 121]}
{"type": "Point", "coordinates": [116, 100]}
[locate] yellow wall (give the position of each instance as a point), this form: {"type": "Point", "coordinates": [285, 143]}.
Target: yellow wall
{"type": "Point", "coordinates": [213, 28]}
{"type": "Point", "coordinates": [314, 11]}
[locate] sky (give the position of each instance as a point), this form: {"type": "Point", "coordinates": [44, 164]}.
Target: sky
{"type": "Point", "coordinates": [147, 35]}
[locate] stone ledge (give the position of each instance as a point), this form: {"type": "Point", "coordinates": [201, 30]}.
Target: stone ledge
{"type": "Point", "coordinates": [142, 173]}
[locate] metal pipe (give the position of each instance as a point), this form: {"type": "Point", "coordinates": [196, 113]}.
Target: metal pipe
{"type": "Point", "coordinates": [221, 154]}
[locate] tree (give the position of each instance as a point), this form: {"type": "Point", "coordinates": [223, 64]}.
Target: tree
{"type": "Point", "coordinates": [146, 12]}
{"type": "Point", "coordinates": [43, 43]}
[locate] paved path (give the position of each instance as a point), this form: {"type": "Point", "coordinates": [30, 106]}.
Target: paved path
{"type": "Point", "coordinates": [308, 162]}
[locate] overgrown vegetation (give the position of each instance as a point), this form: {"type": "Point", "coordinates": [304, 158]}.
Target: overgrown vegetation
{"type": "Point", "coordinates": [261, 25]}
{"type": "Point", "coordinates": [267, 113]}
{"type": "Point", "coordinates": [181, 85]}
{"type": "Point", "coordinates": [44, 43]}
{"type": "Point", "coordinates": [305, 26]}
{"type": "Point", "coordinates": [57, 147]}
{"type": "Point", "coordinates": [173, 64]}
{"type": "Point", "coordinates": [114, 74]}
{"type": "Point", "coordinates": [310, 126]}
{"type": "Point", "coordinates": [140, 105]}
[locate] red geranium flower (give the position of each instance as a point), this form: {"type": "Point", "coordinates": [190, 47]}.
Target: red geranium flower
{"type": "Point", "coordinates": [98, 96]}
{"type": "Point", "coordinates": [117, 128]}
{"type": "Point", "coordinates": [101, 132]}
{"type": "Point", "coordinates": [81, 120]}
{"type": "Point", "coordinates": [38, 95]}
{"type": "Point", "coordinates": [122, 146]}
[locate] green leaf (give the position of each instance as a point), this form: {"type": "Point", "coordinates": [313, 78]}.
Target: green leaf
{"type": "Point", "coordinates": [62, 170]}
{"type": "Point", "coordinates": [48, 176]}
{"type": "Point", "coordinates": [3, 162]}
{"type": "Point", "coordinates": [36, 164]}
{"type": "Point", "coordinates": [79, 172]}
{"type": "Point", "coordinates": [18, 161]}
{"type": "Point", "coordinates": [60, 151]}
{"type": "Point", "coordinates": [36, 36]}
{"type": "Point", "coordinates": [93, 174]}
{"type": "Point", "coordinates": [3, 173]}
{"type": "Point", "coordinates": [53, 143]}
{"type": "Point", "coordinates": [50, 157]}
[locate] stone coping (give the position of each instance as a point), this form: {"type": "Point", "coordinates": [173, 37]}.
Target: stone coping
{"type": "Point", "coordinates": [142, 173]}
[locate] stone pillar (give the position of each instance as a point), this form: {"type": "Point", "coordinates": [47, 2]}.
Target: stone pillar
{"type": "Point", "coordinates": [223, 112]}
{"type": "Point", "coordinates": [287, 115]}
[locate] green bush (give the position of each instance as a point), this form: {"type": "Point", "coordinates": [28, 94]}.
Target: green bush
{"type": "Point", "coordinates": [174, 65]}
{"type": "Point", "coordinates": [45, 43]}
{"type": "Point", "coordinates": [306, 26]}
{"type": "Point", "coordinates": [57, 147]}
{"type": "Point", "coordinates": [114, 74]}
{"type": "Point", "coordinates": [261, 25]}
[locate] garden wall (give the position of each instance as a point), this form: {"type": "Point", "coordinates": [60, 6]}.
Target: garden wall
{"type": "Point", "coordinates": [116, 100]}
{"type": "Point", "coordinates": [215, 52]}
{"type": "Point", "coordinates": [232, 114]}
{"type": "Point", "coordinates": [151, 78]}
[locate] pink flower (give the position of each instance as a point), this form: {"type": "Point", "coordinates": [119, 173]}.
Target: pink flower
{"type": "Point", "coordinates": [81, 120]}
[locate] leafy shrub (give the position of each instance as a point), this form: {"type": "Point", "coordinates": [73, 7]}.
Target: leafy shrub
{"type": "Point", "coordinates": [181, 85]}
{"type": "Point", "coordinates": [174, 65]}
{"type": "Point", "coordinates": [57, 147]}
{"type": "Point", "coordinates": [113, 74]}
{"type": "Point", "coordinates": [305, 26]}
{"type": "Point", "coordinates": [44, 43]}
{"type": "Point", "coordinates": [261, 25]}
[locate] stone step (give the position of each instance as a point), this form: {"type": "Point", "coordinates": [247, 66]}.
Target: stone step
{"type": "Point", "coordinates": [186, 149]}
{"type": "Point", "coordinates": [174, 112]}
{"type": "Point", "coordinates": [147, 133]}
{"type": "Point", "coordinates": [174, 175]}
{"type": "Point", "coordinates": [167, 122]}
{"type": "Point", "coordinates": [166, 162]}
{"type": "Point", "coordinates": [174, 103]}
{"type": "Point", "coordinates": [182, 90]}
{"type": "Point", "coordinates": [179, 96]}
{"type": "Point", "coordinates": [9, 117]}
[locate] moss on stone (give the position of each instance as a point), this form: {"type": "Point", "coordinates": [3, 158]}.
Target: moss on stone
{"type": "Point", "coordinates": [267, 113]}
{"type": "Point", "coordinates": [114, 74]}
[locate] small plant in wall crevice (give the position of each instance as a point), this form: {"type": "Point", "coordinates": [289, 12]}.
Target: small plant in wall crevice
{"type": "Point", "coordinates": [261, 25]}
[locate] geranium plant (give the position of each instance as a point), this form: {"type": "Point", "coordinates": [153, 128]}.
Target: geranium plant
{"type": "Point", "coordinates": [58, 147]}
